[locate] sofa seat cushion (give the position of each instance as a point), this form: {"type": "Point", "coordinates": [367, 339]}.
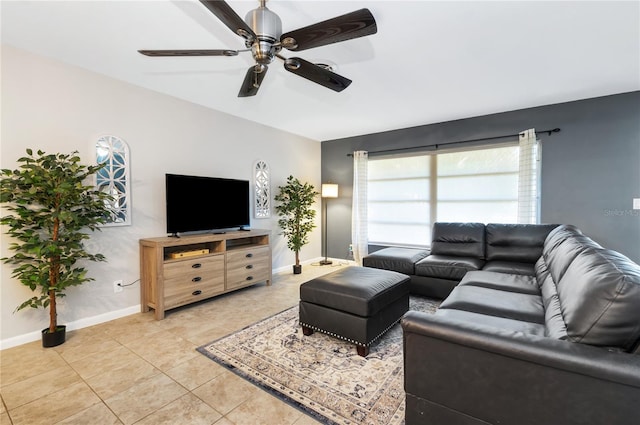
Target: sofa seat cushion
{"type": "Point", "coordinates": [510, 267]}
{"type": "Point", "coordinates": [504, 282]}
{"type": "Point", "coordinates": [361, 291]}
{"type": "Point", "coordinates": [447, 266]}
{"type": "Point", "coordinates": [401, 260]}
{"type": "Point", "coordinates": [493, 321]}
{"type": "Point", "coordinates": [495, 302]}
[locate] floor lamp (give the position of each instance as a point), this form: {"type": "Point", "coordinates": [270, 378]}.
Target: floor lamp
{"type": "Point", "coordinates": [329, 190]}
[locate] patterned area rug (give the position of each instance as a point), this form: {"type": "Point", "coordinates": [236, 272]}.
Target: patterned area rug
{"type": "Point", "coordinates": [321, 375]}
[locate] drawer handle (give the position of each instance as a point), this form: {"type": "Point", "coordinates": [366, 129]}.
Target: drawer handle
{"type": "Point", "coordinates": [198, 292]}
{"type": "Point", "coordinates": [196, 279]}
{"type": "Point", "coordinates": [249, 277]}
{"type": "Point", "coordinates": [249, 267]}
{"type": "Point", "coordinates": [196, 265]}
{"type": "Point", "coordinates": [249, 255]}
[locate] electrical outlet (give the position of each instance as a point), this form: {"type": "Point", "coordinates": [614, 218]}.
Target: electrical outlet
{"type": "Point", "coordinates": [117, 286]}
{"type": "Point", "coordinates": [636, 203]}
{"type": "Point", "coordinates": [350, 247]}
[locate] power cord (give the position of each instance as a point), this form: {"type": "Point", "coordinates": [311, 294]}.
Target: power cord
{"type": "Point", "coordinates": [128, 284]}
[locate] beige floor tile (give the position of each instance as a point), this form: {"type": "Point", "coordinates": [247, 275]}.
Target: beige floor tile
{"type": "Point", "coordinates": [188, 409]}
{"type": "Point", "coordinates": [164, 350]}
{"type": "Point", "coordinates": [145, 398]}
{"type": "Point", "coordinates": [226, 392]}
{"type": "Point", "coordinates": [264, 409]}
{"type": "Point", "coordinates": [106, 362]}
{"type": "Point", "coordinates": [26, 361]}
{"type": "Point", "coordinates": [56, 406]}
{"type": "Point", "coordinates": [209, 335]}
{"type": "Point", "coordinates": [2, 407]}
{"type": "Point", "coordinates": [132, 328]}
{"type": "Point", "coordinates": [195, 372]}
{"type": "Point", "coordinates": [98, 414]}
{"type": "Point", "coordinates": [4, 419]}
{"type": "Point", "coordinates": [81, 337]}
{"type": "Point", "coordinates": [89, 347]}
{"type": "Point", "coordinates": [111, 382]}
{"type": "Point", "coordinates": [198, 325]}
{"type": "Point", "coordinates": [224, 421]}
{"type": "Point", "coordinates": [38, 386]}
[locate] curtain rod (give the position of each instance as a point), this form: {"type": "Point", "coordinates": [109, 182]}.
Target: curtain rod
{"type": "Point", "coordinates": [436, 145]}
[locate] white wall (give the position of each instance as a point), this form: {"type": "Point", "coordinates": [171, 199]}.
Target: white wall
{"type": "Point", "coordinates": [55, 107]}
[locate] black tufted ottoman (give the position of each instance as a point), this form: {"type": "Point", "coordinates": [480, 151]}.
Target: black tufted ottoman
{"type": "Point", "coordinates": [356, 304]}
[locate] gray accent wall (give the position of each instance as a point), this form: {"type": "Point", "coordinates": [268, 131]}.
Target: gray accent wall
{"type": "Point", "coordinates": [590, 169]}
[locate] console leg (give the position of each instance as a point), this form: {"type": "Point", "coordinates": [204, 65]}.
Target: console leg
{"type": "Point", "coordinates": [362, 351]}
{"type": "Point", "coordinates": [306, 331]}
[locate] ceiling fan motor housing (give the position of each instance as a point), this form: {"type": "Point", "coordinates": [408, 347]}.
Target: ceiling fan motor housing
{"type": "Point", "coordinates": [268, 28]}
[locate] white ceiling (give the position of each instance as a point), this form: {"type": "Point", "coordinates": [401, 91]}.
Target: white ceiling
{"type": "Point", "coordinates": [429, 62]}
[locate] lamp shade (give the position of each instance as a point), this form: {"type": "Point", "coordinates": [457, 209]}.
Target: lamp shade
{"type": "Point", "coordinates": [329, 190]}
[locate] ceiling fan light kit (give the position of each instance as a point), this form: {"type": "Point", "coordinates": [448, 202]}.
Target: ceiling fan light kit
{"type": "Point", "coordinates": [262, 34]}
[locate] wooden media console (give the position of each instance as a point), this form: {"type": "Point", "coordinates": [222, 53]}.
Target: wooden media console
{"type": "Point", "coordinates": [175, 271]}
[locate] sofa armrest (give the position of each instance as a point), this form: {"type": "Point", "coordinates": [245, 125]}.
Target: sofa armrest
{"type": "Point", "coordinates": [480, 374]}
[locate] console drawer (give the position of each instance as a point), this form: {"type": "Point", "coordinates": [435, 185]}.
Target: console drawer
{"type": "Point", "coordinates": [247, 266]}
{"type": "Point", "coordinates": [192, 267]}
{"type": "Point", "coordinates": [193, 280]}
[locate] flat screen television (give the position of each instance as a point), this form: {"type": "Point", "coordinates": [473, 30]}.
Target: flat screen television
{"type": "Point", "coordinates": [199, 204]}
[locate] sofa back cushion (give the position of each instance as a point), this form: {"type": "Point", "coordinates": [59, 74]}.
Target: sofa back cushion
{"type": "Point", "coordinates": [559, 259]}
{"type": "Point", "coordinates": [458, 239]}
{"type": "Point", "coordinates": [599, 296]}
{"type": "Point", "coordinates": [521, 243]}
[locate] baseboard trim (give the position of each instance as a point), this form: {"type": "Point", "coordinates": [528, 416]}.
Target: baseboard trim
{"type": "Point", "coordinates": [78, 324]}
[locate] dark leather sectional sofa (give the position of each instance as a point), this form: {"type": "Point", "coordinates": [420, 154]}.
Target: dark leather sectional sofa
{"type": "Point", "coordinates": [553, 341]}
{"type": "Point", "coordinates": [457, 248]}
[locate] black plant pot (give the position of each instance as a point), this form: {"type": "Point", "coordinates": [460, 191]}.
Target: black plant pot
{"type": "Point", "coordinates": [54, 339]}
{"type": "Point", "coordinates": [297, 269]}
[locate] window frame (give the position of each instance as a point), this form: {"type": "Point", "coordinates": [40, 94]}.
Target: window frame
{"type": "Point", "coordinates": [433, 181]}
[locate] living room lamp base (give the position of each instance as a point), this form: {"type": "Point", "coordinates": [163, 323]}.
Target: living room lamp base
{"type": "Point", "coordinates": [325, 262]}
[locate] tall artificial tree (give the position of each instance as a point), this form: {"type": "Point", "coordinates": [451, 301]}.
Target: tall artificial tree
{"type": "Point", "coordinates": [51, 204]}
{"type": "Point", "coordinates": [294, 206]}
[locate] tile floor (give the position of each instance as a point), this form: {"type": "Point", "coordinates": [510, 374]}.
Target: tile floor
{"type": "Point", "coordinates": [136, 370]}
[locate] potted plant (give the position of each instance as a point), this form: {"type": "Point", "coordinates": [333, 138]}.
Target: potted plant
{"type": "Point", "coordinates": [294, 201]}
{"type": "Point", "coordinates": [51, 206]}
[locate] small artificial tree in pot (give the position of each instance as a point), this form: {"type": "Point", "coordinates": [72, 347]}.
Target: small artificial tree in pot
{"type": "Point", "coordinates": [51, 206]}
{"type": "Point", "coordinates": [294, 201]}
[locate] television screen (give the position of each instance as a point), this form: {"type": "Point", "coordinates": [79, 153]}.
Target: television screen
{"type": "Point", "coordinates": [205, 203]}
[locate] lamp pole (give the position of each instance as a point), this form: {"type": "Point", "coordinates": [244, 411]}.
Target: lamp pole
{"type": "Point", "coordinates": [329, 190]}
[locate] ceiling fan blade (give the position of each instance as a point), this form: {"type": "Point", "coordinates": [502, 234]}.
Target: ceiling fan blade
{"type": "Point", "coordinates": [189, 52]}
{"type": "Point", "coordinates": [252, 80]}
{"type": "Point", "coordinates": [230, 18]}
{"type": "Point", "coordinates": [352, 25]}
{"type": "Point", "coordinates": [317, 74]}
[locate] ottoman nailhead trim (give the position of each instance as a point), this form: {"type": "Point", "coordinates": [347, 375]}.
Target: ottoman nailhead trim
{"type": "Point", "coordinates": [315, 328]}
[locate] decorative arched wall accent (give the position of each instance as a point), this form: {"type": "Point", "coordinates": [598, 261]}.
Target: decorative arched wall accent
{"type": "Point", "coordinates": [114, 177]}
{"type": "Point", "coordinates": [262, 189]}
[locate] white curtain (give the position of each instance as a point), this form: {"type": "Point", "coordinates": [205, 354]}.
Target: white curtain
{"type": "Point", "coordinates": [359, 233]}
{"type": "Point", "coordinates": [528, 178]}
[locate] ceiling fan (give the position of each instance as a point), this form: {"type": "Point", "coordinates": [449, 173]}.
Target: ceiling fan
{"type": "Point", "coordinates": [262, 34]}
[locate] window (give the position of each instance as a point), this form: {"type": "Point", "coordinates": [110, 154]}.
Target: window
{"type": "Point", "coordinates": [114, 177]}
{"type": "Point", "coordinates": [408, 194]}
{"type": "Point", "coordinates": [399, 200]}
